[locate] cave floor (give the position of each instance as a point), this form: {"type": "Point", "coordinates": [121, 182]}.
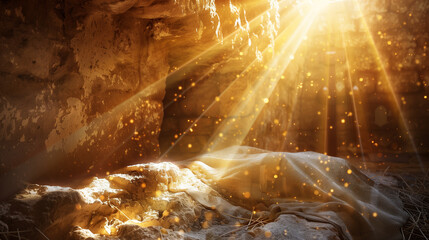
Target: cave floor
{"type": "Point", "coordinates": [406, 177]}
{"type": "Point", "coordinates": [411, 181]}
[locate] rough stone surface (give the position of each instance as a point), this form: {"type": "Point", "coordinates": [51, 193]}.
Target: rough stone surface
{"type": "Point", "coordinates": [81, 85]}
{"type": "Point", "coordinates": [145, 201]}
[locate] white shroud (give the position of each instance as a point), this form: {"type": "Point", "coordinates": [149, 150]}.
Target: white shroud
{"type": "Point", "coordinates": [307, 184]}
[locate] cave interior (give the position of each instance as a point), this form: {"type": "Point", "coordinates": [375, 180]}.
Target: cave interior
{"type": "Point", "coordinates": [102, 102]}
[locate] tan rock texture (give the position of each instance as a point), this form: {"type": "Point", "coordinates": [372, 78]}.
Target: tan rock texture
{"type": "Point", "coordinates": [81, 90]}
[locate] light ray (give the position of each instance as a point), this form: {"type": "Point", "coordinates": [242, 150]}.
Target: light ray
{"type": "Point", "coordinates": [260, 91]}
{"type": "Point", "coordinates": [390, 88]}
{"type": "Point", "coordinates": [246, 70]}
{"type": "Point", "coordinates": [290, 120]}
{"type": "Point", "coordinates": [349, 78]}
{"type": "Point", "coordinates": [327, 115]}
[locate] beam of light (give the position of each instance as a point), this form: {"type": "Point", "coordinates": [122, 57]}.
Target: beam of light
{"type": "Point", "coordinates": [291, 118]}
{"type": "Point", "coordinates": [328, 91]}
{"type": "Point", "coordinates": [298, 91]}
{"type": "Point", "coordinates": [390, 88]}
{"type": "Point", "coordinates": [349, 78]}
{"type": "Point", "coordinates": [230, 133]}
{"type": "Point", "coordinates": [245, 124]}
{"type": "Point", "coordinates": [214, 102]}
{"type": "Point", "coordinates": [176, 76]}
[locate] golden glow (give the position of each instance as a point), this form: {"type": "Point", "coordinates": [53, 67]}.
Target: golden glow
{"type": "Point", "coordinates": [251, 91]}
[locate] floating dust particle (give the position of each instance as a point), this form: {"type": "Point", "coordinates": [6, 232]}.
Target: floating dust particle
{"type": "Point", "coordinates": [346, 184]}
{"type": "Point", "coordinates": [374, 214]}
{"type": "Point", "coordinates": [246, 194]}
{"type": "Point", "coordinates": [349, 171]}
{"type": "Point", "coordinates": [143, 185]}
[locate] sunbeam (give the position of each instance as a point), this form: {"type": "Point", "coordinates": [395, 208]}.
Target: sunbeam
{"type": "Point", "coordinates": [387, 81]}
{"type": "Point", "coordinates": [228, 133]}
{"type": "Point", "coordinates": [250, 67]}
{"type": "Point", "coordinates": [353, 94]}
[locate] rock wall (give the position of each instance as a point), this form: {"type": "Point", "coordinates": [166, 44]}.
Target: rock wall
{"type": "Point", "coordinates": [82, 84]}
